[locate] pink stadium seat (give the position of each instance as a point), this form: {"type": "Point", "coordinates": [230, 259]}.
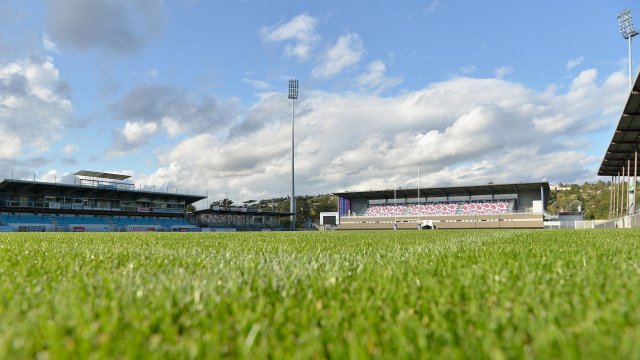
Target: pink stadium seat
{"type": "Point", "coordinates": [477, 207]}
{"type": "Point", "coordinates": [485, 207]}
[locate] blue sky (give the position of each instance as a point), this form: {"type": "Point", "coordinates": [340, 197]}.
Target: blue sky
{"type": "Point", "coordinates": [192, 94]}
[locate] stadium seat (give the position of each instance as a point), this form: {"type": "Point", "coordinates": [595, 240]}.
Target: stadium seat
{"type": "Point", "coordinates": [485, 207]}
{"type": "Point", "coordinates": [72, 220]}
{"type": "Point", "coordinates": [475, 207]}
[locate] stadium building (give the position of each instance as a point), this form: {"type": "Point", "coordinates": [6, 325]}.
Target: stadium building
{"type": "Point", "coordinates": [238, 218]}
{"type": "Point", "coordinates": [490, 206]}
{"type": "Point", "coordinates": [97, 201]}
{"type": "Point", "coordinates": [620, 162]}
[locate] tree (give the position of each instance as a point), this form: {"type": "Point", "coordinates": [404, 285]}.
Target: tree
{"type": "Point", "coordinates": [224, 203]}
{"type": "Point", "coordinates": [592, 197]}
{"type": "Point", "coordinates": [190, 208]}
{"type": "Point", "coordinates": [303, 209]}
{"type": "Point", "coordinates": [322, 203]}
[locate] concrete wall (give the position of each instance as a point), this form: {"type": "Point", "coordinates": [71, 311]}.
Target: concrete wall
{"type": "Point", "coordinates": [358, 206]}
{"type": "Point", "coordinates": [526, 198]}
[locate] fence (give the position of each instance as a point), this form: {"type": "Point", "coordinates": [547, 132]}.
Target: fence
{"type": "Point", "coordinates": [621, 223]}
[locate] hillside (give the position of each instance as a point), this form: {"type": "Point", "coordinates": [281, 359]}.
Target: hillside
{"type": "Point", "coordinates": [592, 198]}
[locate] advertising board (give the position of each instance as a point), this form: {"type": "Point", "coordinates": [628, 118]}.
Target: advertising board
{"type": "Point", "coordinates": [34, 228]}
{"type": "Point", "coordinates": [185, 229]}
{"type": "Point", "coordinates": [140, 228]}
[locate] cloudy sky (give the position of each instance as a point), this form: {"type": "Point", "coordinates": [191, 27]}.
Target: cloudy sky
{"type": "Point", "coordinates": [192, 95]}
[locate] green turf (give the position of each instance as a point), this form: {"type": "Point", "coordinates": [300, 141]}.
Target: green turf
{"type": "Point", "coordinates": [405, 294]}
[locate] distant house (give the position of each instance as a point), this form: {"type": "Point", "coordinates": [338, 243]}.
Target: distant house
{"type": "Point", "coordinates": [561, 187]}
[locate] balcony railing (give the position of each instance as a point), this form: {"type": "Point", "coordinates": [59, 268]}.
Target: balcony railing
{"type": "Point", "coordinates": [67, 206]}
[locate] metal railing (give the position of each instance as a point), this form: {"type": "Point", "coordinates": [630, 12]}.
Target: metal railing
{"type": "Point", "coordinates": [517, 212]}
{"type": "Point", "coordinates": [620, 223]}
{"type": "Point", "coordinates": [76, 206]}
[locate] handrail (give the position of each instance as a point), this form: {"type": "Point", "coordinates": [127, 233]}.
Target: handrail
{"type": "Point", "coordinates": [517, 212]}
{"type": "Point", "coordinates": [77, 206]}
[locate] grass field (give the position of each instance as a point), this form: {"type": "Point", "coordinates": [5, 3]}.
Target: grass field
{"type": "Point", "coordinates": [434, 294]}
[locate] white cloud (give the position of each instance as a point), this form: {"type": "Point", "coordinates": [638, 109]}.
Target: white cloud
{"type": "Point", "coordinates": [463, 131]}
{"type": "Point", "coordinates": [137, 132]}
{"type": "Point", "coordinates": [131, 137]}
{"type": "Point", "coordinates": [257, 84]}
{"type": "Point", "coordinates": [346, 52]}
{"type": "Point", "coordinates": [162, 179]}
{"type": "Point", "coordinates": [150, 107]}
{"type": "Point", "coordinates": [569, 165]}
{"type": "Point", "coordinates": [469, 69]}
{"type": "Point", "coordinates": [70, 148]}
{"type": "Point", "coordinates": [34, 107]}
{"type": "Point", "coordinates": [374, 78]}
{"type": "Point", "coordinates": [574, 62]}
{"type": "Point", "coordinates": [503, 71]}
{"type": "Point", "coordinates": [433, 5]}
{"type": "Point", "coordinates": [48, 44]}
{"type": "Point", "coordinates": [49, 176]}
{"type": "Point", "coordinates": [299, 33]}
{"type": "Point", "coordinates": [171, 126]}
{"type": "Point", "coordinates": [10, 144]}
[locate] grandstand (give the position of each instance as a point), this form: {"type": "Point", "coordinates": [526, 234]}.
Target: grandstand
{"type": "Point", "coordinates": [97, 201]}
{"type": "Point", "coordinates": [234, 218]}
{"type": "Point", "coordinates": [521, 205]}
{"type": "Point", "coordinates": [620, 161]}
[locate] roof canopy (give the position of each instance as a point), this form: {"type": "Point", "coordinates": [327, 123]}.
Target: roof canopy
{"type": "Point", "coordinates": [626, 137]}
{"type": "Point", "coordinates": [489, 189]}
{"type": "Point", "coordinates": [81, 191]}
{"type": "Point", "coordinates": [101, 175]}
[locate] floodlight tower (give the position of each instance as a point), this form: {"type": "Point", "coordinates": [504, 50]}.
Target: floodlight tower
{"type": "Point", "coordinates": [628, 31]}
{"type": "Point", "coordinates": [293, 95]}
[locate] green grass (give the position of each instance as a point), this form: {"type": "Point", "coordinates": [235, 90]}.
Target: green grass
{"type": "Point", "coordinates": [405, 294]}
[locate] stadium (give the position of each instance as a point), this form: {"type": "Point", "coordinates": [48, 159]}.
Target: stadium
{"type": "Point", "coordinates": [99, 201]}
{"type": "Point", "coordinates": [95, 202]}
{"type": "Point", "coordinates": [491, 206]}
{"type": "Point", "coordinates": [620, 163]}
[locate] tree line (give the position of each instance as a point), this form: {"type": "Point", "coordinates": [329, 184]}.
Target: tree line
{"type": "Point", "coordinates": [591, 198]}
{"type": "Point", "coordinates": [308, 207]}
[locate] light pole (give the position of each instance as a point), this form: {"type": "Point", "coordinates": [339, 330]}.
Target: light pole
{"type": "Point", "coordinates": [395, 201]}
{"type": "Point", "coordinates": [293, 95]}
{"type": "Point", "coordinates": [628, 31]}
{"type": "Point", "coordinates": [418, 183]}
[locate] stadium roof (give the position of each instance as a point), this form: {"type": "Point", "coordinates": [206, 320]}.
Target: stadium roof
{"type": "Point", "coordinates": [626, 137]}
{"type": "Point", "coordinates": [83, 191]}
{"type": "Point", "coordinates": [489, 189]}
{"type": "Point", "coordinates": [102, 175]}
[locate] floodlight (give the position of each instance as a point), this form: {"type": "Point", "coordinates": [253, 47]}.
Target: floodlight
{"type": "Point", "coordinates": [293, 89]}
{"type": "Point", "coordinates": [626, 24]}
{"type": "Point", "coordinates": [293, 95]}
{"type": "Point", "coordinates": [628, 32]}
